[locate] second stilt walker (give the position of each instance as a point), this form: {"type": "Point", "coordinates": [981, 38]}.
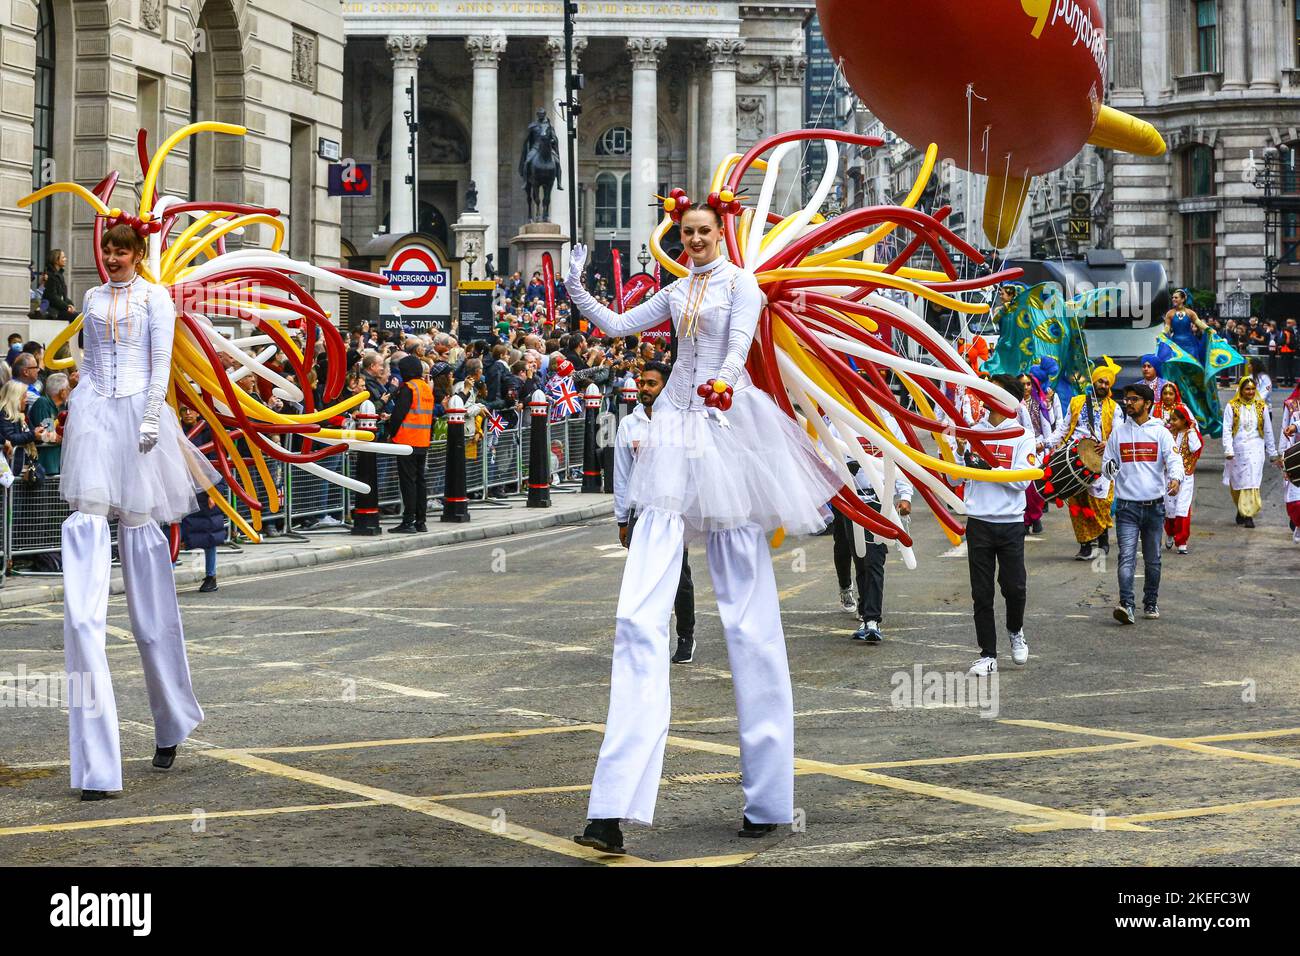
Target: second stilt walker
{"type": "Point", "coordinates": [721, 462]}
{"type": "Point", "coordinates": [730, 455]}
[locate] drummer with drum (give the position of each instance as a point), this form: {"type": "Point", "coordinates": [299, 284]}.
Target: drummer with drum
{"type": "Point", "coordinates": [1040, 414]}
{"type": "Point", "coordinates": [1289, 447]}
{"type": "Point", "coordinates": [1088, 427]}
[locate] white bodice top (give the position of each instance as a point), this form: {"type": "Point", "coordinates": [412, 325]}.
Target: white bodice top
{"type": "Point", "coordinates": [128, 330]}
{"type": "Point", "coordinates": [714, 309]}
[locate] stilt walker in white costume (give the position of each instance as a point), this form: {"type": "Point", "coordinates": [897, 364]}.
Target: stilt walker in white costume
{"type": "Point", "coordinates": [730, 454]}
{"type": "Point", "coordinates": [729, 477]}
{"type": "Point", "coordinates": [125, 456]}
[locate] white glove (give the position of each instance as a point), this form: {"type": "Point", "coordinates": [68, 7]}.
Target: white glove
{"type": "Point", "coordinates": [148, 434]}
{"type": "Point", "coordinates": [149, 423]}
{"type": "Point", "coordinates": [577, 262]}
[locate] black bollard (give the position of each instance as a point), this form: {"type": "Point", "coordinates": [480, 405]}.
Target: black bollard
{"type": "Point", "coordinates": [590, 461]}
{"type": "Point", "coordinates": [455, 504]}
{"type": "Point", "coordinates": [365, 508]}
{"type": "Point", "coordinates": [539, 453]}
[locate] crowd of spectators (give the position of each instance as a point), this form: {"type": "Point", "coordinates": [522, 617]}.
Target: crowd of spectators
{"type": "Point", "coordinates": [1275, 342]}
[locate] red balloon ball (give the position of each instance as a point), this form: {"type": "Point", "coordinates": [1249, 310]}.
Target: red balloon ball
{"type": "Point", "coordinates": [1035, 67]}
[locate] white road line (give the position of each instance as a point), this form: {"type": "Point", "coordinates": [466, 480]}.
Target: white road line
{"type": "Point", "coordinates": [358, 598]}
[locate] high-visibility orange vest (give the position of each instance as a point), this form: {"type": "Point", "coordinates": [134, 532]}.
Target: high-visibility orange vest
{"type": "Point", "coordinates": [417, 426]}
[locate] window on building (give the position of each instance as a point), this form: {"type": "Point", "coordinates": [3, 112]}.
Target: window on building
{"type": "Point", "coordinates": [625, 205]}
{"type": "Point", "coordinates": [1198, 171]}
{"type": "Point", "coordinates": [606, 201]}
{"type": "Point", "coordinates": [1295, 36]}
{"type": "Point", "coordinates": [148, 105]}
{"type": "Point", "coordinates": [1207, 36]}
{"type": "Point", "coordinates": [301, 163]}
{"type": "Point", "coordinates": [43, 132]}
{"type": "Point", "coordinates": [615, 141]}
{"type": "Point", "coordinates": [1198, 250]}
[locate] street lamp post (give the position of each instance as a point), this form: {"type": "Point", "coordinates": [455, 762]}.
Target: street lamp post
{"type": "Point", "coordinates": [471, 256]}
{"type": "Point", "coordinates": [573, 82]}
{"type": "Point", "coordinates": [643, 257]}
{"type": "Point", "coordinates": [413, 132]}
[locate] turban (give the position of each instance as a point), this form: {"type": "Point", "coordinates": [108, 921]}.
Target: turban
{"type": "Point", "coordinates": [1045, 370]}
{"type": "Point", "coordinates": [1153, 360]}
{"type": "Point", "coordinates": [1107, 369]}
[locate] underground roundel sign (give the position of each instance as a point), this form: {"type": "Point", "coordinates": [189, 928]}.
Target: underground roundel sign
{"type": "Point", "coordinates": [416, 269]}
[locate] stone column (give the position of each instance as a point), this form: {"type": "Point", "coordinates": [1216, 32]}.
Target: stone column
{"type": "Point", "coordinates": [1124, 20]}
{"type": "Point", "coordinates": [789, 71]}
{"type": "Point", "coordinates": [724, 55]}
{"type": "Point", "coordinates": [1232, 32]}
{"type": "Point", "coordinates": [644, 53]}
{"type": "Point", "coordinates": [588, 213]}
{"type": "Point", "coordinates": [485, 54]}
{"type": "Point", "coordinates": [692, 132]}
{"type": "Point", "coordinates": [1264, 73]}
{"type": "Point", "coordinates": [1155, 73]}
{"type": "Point", "coordinates": [703, 140]}
{"type": "Point", "coordinates": [555, 49]}
{"type": "Point", "coordinates": [405, 52]}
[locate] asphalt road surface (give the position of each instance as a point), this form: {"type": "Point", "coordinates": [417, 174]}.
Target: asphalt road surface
{"type": "Point", "coordinates": [445, 707]}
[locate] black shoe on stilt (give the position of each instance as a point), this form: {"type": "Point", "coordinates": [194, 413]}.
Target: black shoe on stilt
{"type": "Point", "coordinates": [89, 795]}
{"type": "Point", "coordinates": [755, 830]}
{"type": "Point", "coordinates": [209, 584]}
{"type": "Point", "coordinates": [1248, 523]}
{"type": "Point", "coordinates": [1240, 518]}
{"type": "Point", "coordinates": [164, 757]}
{"type": "Point", "coordinates": [602, 835]}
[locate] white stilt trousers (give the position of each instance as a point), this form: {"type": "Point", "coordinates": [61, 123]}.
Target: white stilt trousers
{"type": "Point", "coordinates": [626, 782]}
{"type": "Point", "coordinates": [156, 623]}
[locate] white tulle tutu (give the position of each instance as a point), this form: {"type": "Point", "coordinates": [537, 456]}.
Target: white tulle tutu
{"type": "Point", "coordinates": [756, 468]}
{"type": "Point", "coordinates": [103, 468]}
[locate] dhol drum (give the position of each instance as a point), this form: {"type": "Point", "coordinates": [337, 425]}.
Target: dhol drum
{"type": "Point", "coordinates": [1069, 470]}
{"type": "Point", "coordinates": [1291, 464]}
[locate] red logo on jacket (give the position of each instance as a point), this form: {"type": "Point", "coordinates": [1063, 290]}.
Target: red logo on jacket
{"type": "Point", "coordinates": [1134, 451]}
{"type": "Point", "coordinates": [1001, 455]}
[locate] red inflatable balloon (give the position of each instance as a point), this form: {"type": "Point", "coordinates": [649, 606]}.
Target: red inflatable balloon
{"type": "Point", "coordinates": [1034, 69]}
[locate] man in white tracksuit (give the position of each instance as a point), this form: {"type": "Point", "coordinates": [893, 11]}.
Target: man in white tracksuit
{"type": "Point", "coordinates": [1141, 457]}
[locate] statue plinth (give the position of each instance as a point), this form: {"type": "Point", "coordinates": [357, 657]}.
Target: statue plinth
{"type": "Point", "coordinates": [471, 227]}
{"type": "Point", "coordinates": [534, 239]}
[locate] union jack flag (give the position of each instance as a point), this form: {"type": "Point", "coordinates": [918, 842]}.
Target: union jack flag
{"type": "Point", "coordinates": [496, 423]}
{"type": "Point", "coordinates": [566, 400]}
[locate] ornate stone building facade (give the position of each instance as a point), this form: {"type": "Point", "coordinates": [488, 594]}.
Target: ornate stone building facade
{"type": "Point", "coordinates": [79, 77]}
{"type": "Point", "coordinates": [670, 88]}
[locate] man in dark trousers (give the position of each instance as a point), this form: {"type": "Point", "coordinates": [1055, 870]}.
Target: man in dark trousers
{"type": "Point", "coordinates": [631, 433]}
{"type": "Point", "coordinates": [995, 535]}
{"type": "Point", "coordinates": [411, 423]}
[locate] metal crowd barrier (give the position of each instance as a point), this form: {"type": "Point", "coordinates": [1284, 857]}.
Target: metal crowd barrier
{"type": "Point", "coordinates": [32, 517]}
{"type": "Point", "coordinates": [33, 522]}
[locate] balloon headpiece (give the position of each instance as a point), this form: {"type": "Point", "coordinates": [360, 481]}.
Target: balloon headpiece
{"type": "Point", "coordinates": [677, 204]}
{"type": "Point", "coordinates": [260, 289]}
